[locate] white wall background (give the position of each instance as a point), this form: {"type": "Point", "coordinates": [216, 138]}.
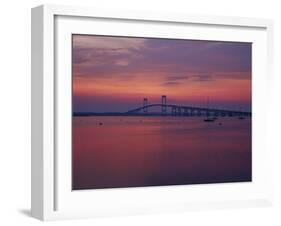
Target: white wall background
{"type": "Point", "coordinates": [15, 112]}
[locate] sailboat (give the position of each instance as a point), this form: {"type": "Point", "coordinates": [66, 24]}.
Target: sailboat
{"type": "Point", "coordinates": [208, 119]}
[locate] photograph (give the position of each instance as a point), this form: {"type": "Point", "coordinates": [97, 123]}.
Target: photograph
{"type": "Point", "coordinates": [153, 111]}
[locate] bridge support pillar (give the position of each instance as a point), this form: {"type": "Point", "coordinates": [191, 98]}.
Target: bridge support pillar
{"type": "Point", "coordinates": [145, 103]}
{"type": "Point", "coordinates": [178, 110]}
{"type": "Point", "coordinates": [164, 104]}
{"type": "Point", "coordinates": [191, 112]}
{"type": "Point", "coordinates": [185, 111]}
{"type": "Point", "coordinates": [174, 110]}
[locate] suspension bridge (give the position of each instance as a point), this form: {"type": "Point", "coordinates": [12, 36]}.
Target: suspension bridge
{"type": "Point", "coordinates": [171, 110]}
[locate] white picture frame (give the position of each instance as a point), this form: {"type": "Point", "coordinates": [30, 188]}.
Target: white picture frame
{"type": "Point", "coordinates": [52, 197]}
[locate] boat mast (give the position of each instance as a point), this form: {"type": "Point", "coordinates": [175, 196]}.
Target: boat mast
{"type": "Point", "coordinates": [207, 106]}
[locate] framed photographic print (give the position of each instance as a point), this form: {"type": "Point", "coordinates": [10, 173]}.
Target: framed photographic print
{"type": "Point", "coordinates": [137, 112]}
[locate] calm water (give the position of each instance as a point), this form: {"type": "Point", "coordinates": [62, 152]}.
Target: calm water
{"type": "Point", "coordinates": [150, 151]}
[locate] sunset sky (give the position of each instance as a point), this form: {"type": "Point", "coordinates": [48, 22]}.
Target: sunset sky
{"type": "Point", "coordinates": [114, 74]}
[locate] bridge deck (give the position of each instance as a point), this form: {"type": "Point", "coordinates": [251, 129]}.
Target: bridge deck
{"type": "Point", "coordinates": [189, 108]}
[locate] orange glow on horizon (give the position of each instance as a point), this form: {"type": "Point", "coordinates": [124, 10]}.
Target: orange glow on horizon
{"type": "Point", "coordinates": [137, 88]}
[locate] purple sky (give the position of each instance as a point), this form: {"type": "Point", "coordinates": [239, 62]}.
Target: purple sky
{"type": "Point", "coordinates": [115, 73]}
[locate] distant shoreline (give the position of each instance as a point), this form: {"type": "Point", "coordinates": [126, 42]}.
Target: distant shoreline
{"type": "Point", "coordinates": [81, 114]}
{"type": "Point", "coordinates": [89, 114]}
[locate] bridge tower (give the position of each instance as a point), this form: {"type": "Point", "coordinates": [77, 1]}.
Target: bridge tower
{"type": "Point", "coordinates": [164, 104]}
{"type": "Point", "coordinates": [145, 103]}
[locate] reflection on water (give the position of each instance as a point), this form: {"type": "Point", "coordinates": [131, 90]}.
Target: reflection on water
{"type": "Point", "coordinates": [111, 152]}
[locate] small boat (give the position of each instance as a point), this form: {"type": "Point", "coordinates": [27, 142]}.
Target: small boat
{"type": "Point", "coordinates": [209, 119]}
{"type": "Point", "coordinates": [241, 115]}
